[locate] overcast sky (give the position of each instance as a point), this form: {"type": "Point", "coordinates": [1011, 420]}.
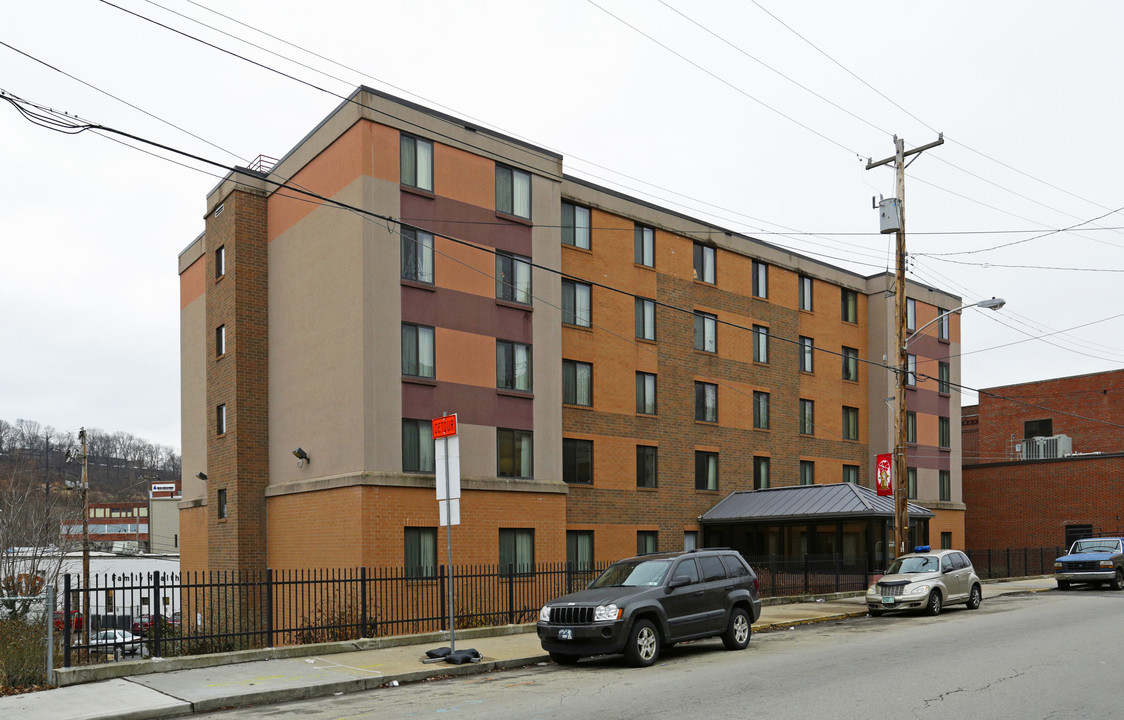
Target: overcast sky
{"type": "Point", "coordinates": [759, 122]}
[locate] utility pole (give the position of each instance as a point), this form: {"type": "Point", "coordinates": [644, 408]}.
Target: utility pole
{"type": "Point", "coordinates": [901, 514]}
{"type": "Point", "coordinates": [85, 542]}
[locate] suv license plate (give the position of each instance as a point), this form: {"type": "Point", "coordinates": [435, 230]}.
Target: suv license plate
{"type": "Point", "coordinates": [887, 600]}
{"type": "Point", "coordinates": [566, 634]}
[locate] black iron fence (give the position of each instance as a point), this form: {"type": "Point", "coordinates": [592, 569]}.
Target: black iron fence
{"type": "Point", "coordinates": [206, 612]}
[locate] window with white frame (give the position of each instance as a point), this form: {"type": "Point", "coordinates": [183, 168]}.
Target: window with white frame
{"type": "Point", "coordinates": [807, 350]}
{"type": "Point", "coordinates": [850, 364]}
{"type": "Point", "coordinates": [945, 478]}
{"type": "Point", "coordinates": [911, 370]}
{"type": "Point", "coordinates": [420, 545]}
{"type": "Point", "coordinates": [807, 472]}
{"type": "Point", "coordinates": [910, 314]}
{"type": "Point", "coordinates": [646, 393]}
{"type": "Point", "coordinates": [706, 332]}
{"type": "Point", "coordinates": [760, 410]}
{"type": "Point", "coordinates": [706, 470]}
{"type": "Point", "coordinates": [220, 341]}
{"type": "Point", "coordinates": [704, 263]}
{"type": "Point", "coordinates": [944, 378]}
{"type": "Point", "coordinates": [851, 474]}
{"type": "Point", "coordinates": [517, 551]}
{"type": "Point", "coordinates": [579, 549]}
{"type": "Point", "coordinates": [760, 344]}
{"type": "Point", "coordinates": [706, 402]}
{"type": "Point", "coordinates": [417, 446]}
{"type": "Point", "coordinates": [760, 279]}
{"type": "Point", "coordinates": [220, 419]}
{"type": "Point", "coordinates": [807, 417]}
{"type": "Point", "coordinates": [850, 306]}
{"type": "Point", "coordinates": [760, 473]}
{"type": "Point", "coordinates": [850, 423]}
{"type": "Point", "coordinates": [805, 292]}
{"type": "Point", "coordinates": [647, 461]}
{"type": "Point", "coordinates": [942, 325]}
{"type": "Point", "coordinates": [514, 453]}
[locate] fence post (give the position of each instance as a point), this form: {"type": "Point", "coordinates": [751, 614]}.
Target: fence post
{"type": "Point", "coordinates": [1026, 561]}
{"type": "Point", "coordinates": [989, 563]}
{"type": "Point", "coordinates": [269, 607]}
{"type": "Point", "coordinates": [838, 570]}
{"type": "Point", "coordinates": [511, 593]}
{"type": "Point", "coordinates": [66, 622]}
{"type": "Point", "coordinates": [569, 577]}
{"type": "Point", "coordinates": [363, 601]}
{"type": "Point", "coordinates": [1008, 562]}
{"type": "Point", "coordinates": [158, 616]}
{"type": "Point", "coordinates": [773, 575]}
{"type": "Point", "coordinates": [805, 573]}
{"type": "Point", "coordinates": [444, 615]}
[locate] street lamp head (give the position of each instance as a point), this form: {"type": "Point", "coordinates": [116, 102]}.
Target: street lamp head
{"type": "Point", "coordinates": [992, 304]}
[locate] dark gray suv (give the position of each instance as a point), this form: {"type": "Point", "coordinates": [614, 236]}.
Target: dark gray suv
{"type": "Point", "coordinates": [651, 601]}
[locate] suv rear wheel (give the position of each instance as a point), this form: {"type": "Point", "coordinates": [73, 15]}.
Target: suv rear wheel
{"type": "Point", "coordinates": [643, 644]}
{"type": "Point", "coordinates": [738, 631]}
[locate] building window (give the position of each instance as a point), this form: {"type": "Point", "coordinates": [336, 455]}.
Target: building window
{"type": "Point", "coordinates": [760, 344]}
{"type": "Point", "coordinates": [760, 279]}
{"type": "Point", "coordinates": [577, 383]}
{"type": "Point", "coordinates": [706, 470]}
{"type": "Point", "coordinates": [704, 263]}
{"type": "Point", "coordinates": [807, 472]}
{"type": "Point", "coordinates": [911, 483]}
{"type": "Point", "coordinates": [1038, 428]}
{"type": "Point", "coordinates": [946, 541]}
{"type": "Point", "coordinates": [910, 314]}
{"type": "Point", "coordinates": [944, 432]}
{"type": "Point", "coordinates": [220, 420]}
{"type": "Point", "coordinates": [690, 540]}
{"type": "Point", "coordinates": [706, 332]}
{"type": "Point", "coordinates": [804, 283]}
{"type": "Point", "coordinates": [417, 255]}
{"type": "Point", "coordinates": [513, 366]}
{"type": "Point", "coordinates": [417, 446]}
{"type": "Point", "coordinates": [577, 461]}
{"type": "Point", "coordinates": [760, 473]}
{"type": "Point", "coordinates": [513, 278]}
{"type": "Point", "coordinates": [220, 341]}
{"type": "Point", "coordinates": [944, 378]}
{"type": "Point", "coordinates": [417, 351]}
{"type": "Point", "coordinates": [579, 549]}
{"type": "Point", "coordinates": [645, 393]}
{"type": "Point", "coordinates": [575, 225]}
{"type": "Point", "coordinates": [645, 319]}
{"type": "Point", "coordinates": [807, 417]}
{"type": "Point", "coordinates": [706, 402]}
{"type": "Point", "coordinates": [517, 551]}
{"type": "Point", "coordinates": [647, 541]}
{"type": "Point", "coordinates": [946, 485]}
{"type": "Point", "coordinates": [850, 303]}
{"type": "Point", "coordinates": [222, 504]}
{"type": "Point", "coordinates": [760, 410]}
{"type": "Point", "coordinates": [807, 347]}
{"type": "Point", "coordinates": [421, 551]}
{"type": "Point", "coordinates": [850, 364]}
{"type": "Point", "coordinates": [851, 474]}
{"type": "Point", "coordinates": [911, 370]}
{"type": "Point", "coordinates": [416, 161]}
{"type": "Point", "coordinates": [514, 453]}
{"type": "Point", "coordinates": [911, 427]}
{"type": "Point", "coordinates": [220, 262]}
{"type": "Point", "coordinates": [942, 325]}
{"type": "Point", "coordinates": [646, 466]}
{"type": "Point", "coordinates": [576, 304]}
{"type": "Point", "coordinates": [513, 191]}
{"type": "Point", "coordinates": [850, 423]}
{"type": "Point", "coordinates": [644, 246]}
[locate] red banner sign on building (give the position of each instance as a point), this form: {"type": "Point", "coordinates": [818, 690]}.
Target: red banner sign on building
{"type": "Point", "coordinates": [884, 474]}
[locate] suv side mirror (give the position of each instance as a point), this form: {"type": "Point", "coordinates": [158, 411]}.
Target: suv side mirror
{"type": "Point", "coordinates": [678, 581]}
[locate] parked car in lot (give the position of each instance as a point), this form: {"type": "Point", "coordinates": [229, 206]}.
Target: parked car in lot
{"type": "Point", "coordinates": [110, 640]}
{"type": "Point", "coordinates": [143, 623]}
{"type": "Point", "coordinates": [75, 621]}
{"type": "Point", "coordinates": [1092, 560]}
{"type": "Point", "coordinates": [926, 579]}
{"type": "Point", "coordinates": [651, 601]}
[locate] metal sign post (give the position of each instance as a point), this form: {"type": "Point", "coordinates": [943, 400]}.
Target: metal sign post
{"type": "Point", "coordinates": [448, 496]}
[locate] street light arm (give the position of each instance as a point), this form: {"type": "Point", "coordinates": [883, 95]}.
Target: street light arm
{"type": "Point", "coordinates": [992, 304]}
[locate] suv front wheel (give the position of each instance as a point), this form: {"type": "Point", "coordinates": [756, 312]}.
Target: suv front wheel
{"type": "Point", "coordinates": [643, 644]}
{"type": "Point", "coordinates": [738, 631]}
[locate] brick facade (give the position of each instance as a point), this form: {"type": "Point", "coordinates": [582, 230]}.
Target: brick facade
{"type": "Point", "coordinates": [1031, 503]}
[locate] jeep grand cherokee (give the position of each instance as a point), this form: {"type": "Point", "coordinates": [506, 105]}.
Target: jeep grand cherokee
{"type": "Point", "coordinates": [651, 601]}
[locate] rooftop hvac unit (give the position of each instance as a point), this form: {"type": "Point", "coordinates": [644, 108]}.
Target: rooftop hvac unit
{"type": "Point", "coordinates": [1045, 448]}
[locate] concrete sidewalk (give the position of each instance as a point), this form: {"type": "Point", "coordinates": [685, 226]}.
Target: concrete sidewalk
{"type": "Point", "coordinates": [181, 686]}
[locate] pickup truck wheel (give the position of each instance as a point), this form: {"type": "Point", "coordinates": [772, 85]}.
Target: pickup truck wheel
{"type": "Point", "coordinates": [643, 644]}
{"type": "Point", "coordinates": [975, 597]}
{"type": "Point", "coordinates": [1063, 585]}
{"type": "Point", "coordinates": [1118, 580]}
{"type": "Point", "coordinates": [933, 607]}
{"type": "Point", "coordinates": [738, 631]}
{"type": "Point", "coordinates": [564, 658]}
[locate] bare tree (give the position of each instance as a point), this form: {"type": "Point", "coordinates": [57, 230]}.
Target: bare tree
{"type": "Point", "coordinates": [31, 547]}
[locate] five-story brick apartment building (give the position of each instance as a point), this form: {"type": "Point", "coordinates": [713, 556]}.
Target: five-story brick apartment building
{"type": "Point", "coordinates": [616, 367]}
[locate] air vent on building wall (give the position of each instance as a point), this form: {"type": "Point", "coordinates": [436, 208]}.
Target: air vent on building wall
{"type": "Point", "coordinates": [219, 209]}
{"type": "Point", "coordinates": [1044, 448]}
